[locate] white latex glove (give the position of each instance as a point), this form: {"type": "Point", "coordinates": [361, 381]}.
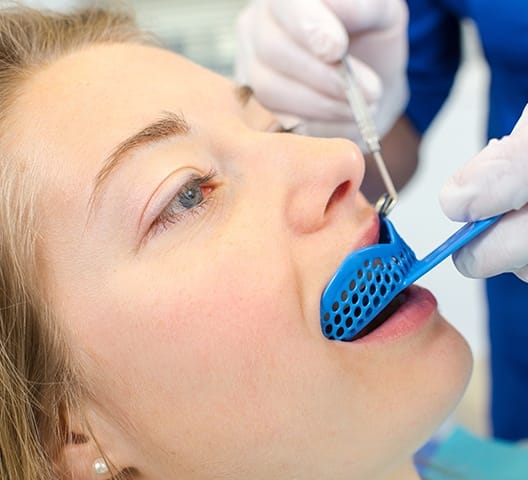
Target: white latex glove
{"type": "Point", "coordinates": [288, 52]}
{"type": "Point", "coordinates": [493, 182]}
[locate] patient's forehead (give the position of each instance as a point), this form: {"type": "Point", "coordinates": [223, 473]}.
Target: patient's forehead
{"type": "Point", "coordinates": [123, 79]}
{"type": "Point", "coordinates": [85, 103]}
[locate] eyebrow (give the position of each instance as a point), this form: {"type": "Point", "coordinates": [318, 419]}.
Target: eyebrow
{"type": "Point", "coordinates": [169, 125]}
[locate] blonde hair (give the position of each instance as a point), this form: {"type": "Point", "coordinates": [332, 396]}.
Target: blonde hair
{"type": "Point", "coordinates": [39, 386]}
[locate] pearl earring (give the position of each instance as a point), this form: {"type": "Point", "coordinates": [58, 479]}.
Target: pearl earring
{"type": "Point", "coordinates": [100, 467]}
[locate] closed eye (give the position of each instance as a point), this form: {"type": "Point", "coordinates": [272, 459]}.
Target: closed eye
{"type": "Point", "coordinates": [281, 128]}
{"type": "Point", "coordinates": [292, 129]}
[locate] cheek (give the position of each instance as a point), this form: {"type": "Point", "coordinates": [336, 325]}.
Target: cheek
{"type": "Point", "coordinates": [205, 352]}
{"type": "Point", "coordinates": [217, 312]}
{"type": "Point", "coordinates": [209, 330]}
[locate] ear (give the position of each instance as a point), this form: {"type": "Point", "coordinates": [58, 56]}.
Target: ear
{"type": "Point", "coordinates": [76, 461]}
{"type": "Point", "coordinates": [92, 439]}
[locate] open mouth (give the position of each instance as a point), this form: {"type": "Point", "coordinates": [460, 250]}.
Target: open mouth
{"type": "Point", "coordinates": [384, 315]}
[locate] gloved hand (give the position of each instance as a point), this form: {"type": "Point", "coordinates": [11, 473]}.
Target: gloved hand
{"type": "Point", "coordinates": [288, 52]}
{"type": "Point", "coordinates": [493, 182]}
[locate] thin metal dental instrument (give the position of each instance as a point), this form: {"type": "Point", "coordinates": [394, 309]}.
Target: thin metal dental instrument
{"type": "Point", "coordinates": [369, 135]}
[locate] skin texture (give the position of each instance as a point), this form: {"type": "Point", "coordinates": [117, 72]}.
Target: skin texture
{"type": "Point", "coordinates": [201, 342]}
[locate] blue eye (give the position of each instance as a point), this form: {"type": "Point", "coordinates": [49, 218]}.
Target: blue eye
{"type": "Point", "coordinates": [190, 199]}
{"type": "Point", "coordinates": [190, 195]}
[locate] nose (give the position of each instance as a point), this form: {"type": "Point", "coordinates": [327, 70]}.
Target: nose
{"type": "Point", "coordinates": [324, 174]}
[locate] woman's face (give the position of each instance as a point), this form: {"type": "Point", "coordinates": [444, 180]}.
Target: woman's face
{"type": "Point", "coordinates": [187, 265]}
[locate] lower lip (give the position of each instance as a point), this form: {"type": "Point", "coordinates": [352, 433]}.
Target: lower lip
{"type": "Point", "coordinates": [417, 310]}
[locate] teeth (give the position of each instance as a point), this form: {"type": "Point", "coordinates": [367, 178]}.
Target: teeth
{"type": "Point", "coordinates": [380, 319]}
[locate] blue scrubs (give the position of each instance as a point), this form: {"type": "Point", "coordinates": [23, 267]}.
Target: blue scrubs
{"type": "Point", "coordinates": [435, 51]}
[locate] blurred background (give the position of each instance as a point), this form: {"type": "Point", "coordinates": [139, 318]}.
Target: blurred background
{"type": "Point", "coordinates": [204, 31]}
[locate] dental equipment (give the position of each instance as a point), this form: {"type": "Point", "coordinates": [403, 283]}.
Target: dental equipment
{"type": "Point", "coordinates": [369, 279]}
{"type": "Point", "coordinates": [369, 135]}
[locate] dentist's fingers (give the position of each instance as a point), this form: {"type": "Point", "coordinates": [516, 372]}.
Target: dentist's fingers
{"type": "Point", "coordinates": [313, 26]}
{"type": "Point", "coordinates": [501, 248]}
{"type": "Point", "coordinates": [280, 93]}
{"type": "Point", "coordinates": [264, 46]}
{"type": "Point", "coordinates": [492, 182]}
{"type": "Point", "coordinates": [361, 15]}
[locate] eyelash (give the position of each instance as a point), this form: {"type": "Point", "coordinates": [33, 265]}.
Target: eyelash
{"type": "Point", "coordinates": [173, 214]}
{"type": "Point", "coordinates": [292, 129]}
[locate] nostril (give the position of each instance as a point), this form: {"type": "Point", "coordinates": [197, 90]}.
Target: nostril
{"type": "Point", "coordinates": [340, 191]}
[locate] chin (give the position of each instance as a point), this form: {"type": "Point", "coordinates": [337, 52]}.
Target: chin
{"type": "Point", "coordinates": [453, 363]}
{"type": "Point", "coordinates": [441, 372]}
{"type": "Point", "coordinates": [415, 381]}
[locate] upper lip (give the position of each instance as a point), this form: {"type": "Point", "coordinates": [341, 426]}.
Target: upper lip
{"type": "Point", "coordinates": [370, 234]}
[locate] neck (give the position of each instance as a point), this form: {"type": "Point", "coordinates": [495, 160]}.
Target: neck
{"type": "Point", "coordinates": [406, 471]}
